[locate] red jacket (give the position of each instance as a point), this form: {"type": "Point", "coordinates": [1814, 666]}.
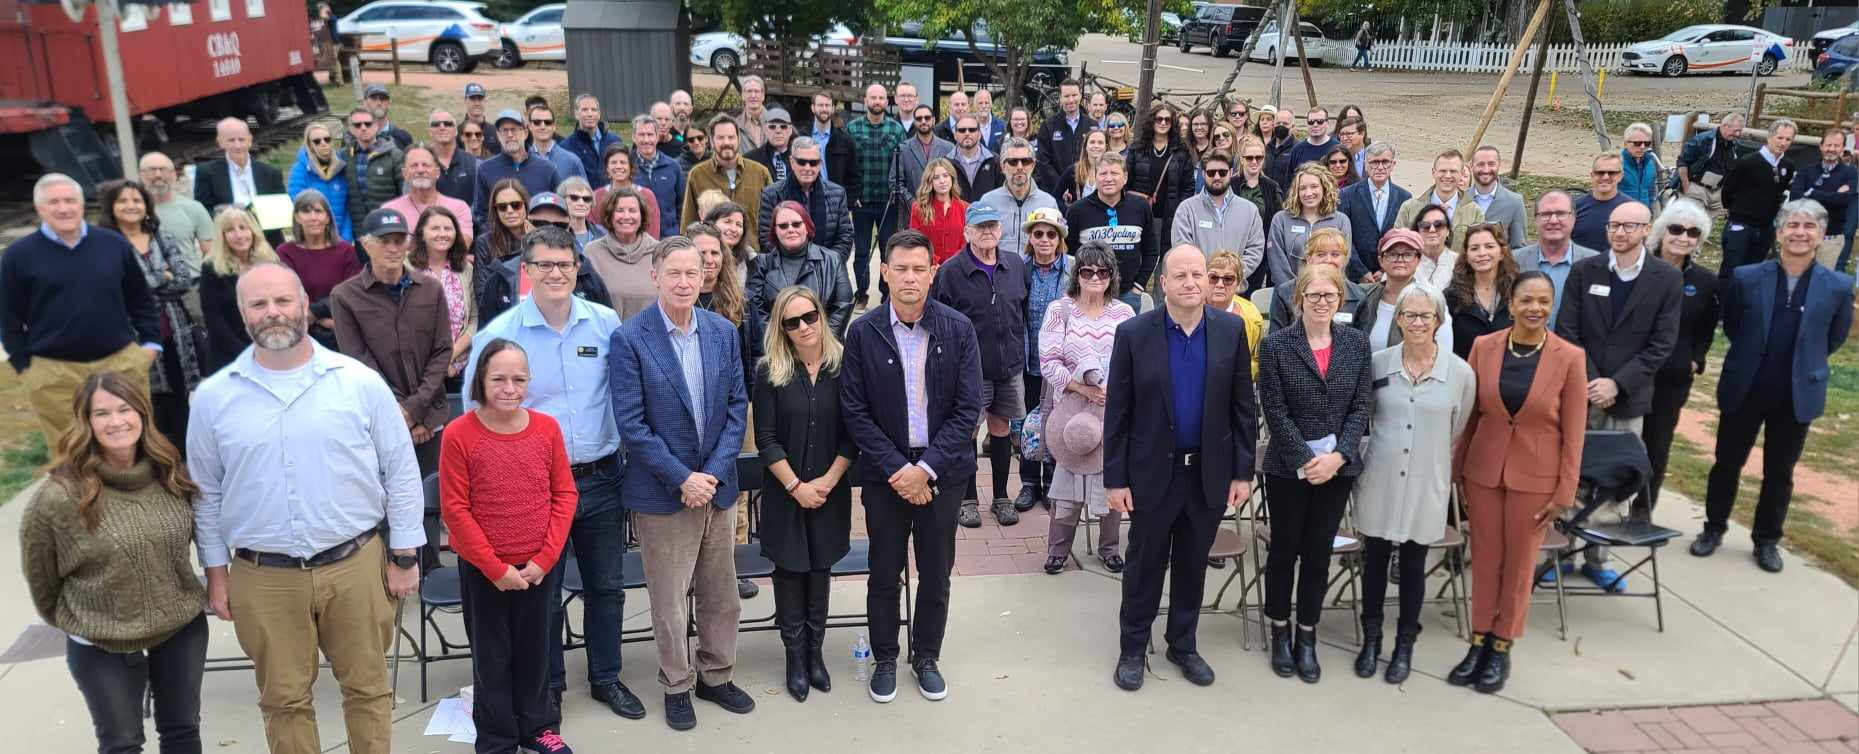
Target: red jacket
{"type": "Point", "coordinates": [506, 499]}
{"type": "Point", "coordinates": [944, 230]}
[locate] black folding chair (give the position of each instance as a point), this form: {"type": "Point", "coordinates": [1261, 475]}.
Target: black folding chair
{"type": "Point", "coordinates": [439, 590]}
{"type": "Point", "coordinates": [1614, 468]}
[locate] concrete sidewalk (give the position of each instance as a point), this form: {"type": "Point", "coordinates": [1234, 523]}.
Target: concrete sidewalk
{"type": "Point", "coordinates": [1029, 659]}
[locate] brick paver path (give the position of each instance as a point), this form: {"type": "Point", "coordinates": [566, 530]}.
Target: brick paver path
{"type": "Point", "coordinates": [1819, 725]}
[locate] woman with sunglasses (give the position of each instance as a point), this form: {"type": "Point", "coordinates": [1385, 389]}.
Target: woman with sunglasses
{"type": "Point", "coordinates": [471, 139]}
{"type": "Point", "coordinates": [320, 259]}
{"type": "Point", "coordinates": [1047, 268]}
{"type": "Point", "coordinates": [236, 247]}
{"type": "Point", "coordinates": [579, 196]}
{"type": "Point", "coordinates": [1239, 117]}
{"type": "Point", "coordinates": [1074, 357]}
{"type": "Point", "coordinates": [1337, 161]}
{"type": "Point", "coordinates": [1309, 206]}
{"type": "Point", "coordinates": [169, 268]}
{"type": "Point", "coordinates": [1117, 134]}
{"type": "Point", "coordinates": [1478, 295]}
{"type": "Point", "coordinates": [319, 166]}
{"type": "Point", "coordinates": [1675, 238]}
{"type": "Point", "coordinates": [696, 149]}
{"type": "Point", "coordinates": [623, 258]}
{"type": "Point", "coordinates": [806, 509]}
{"type": "Point", "coordinates": [1161, 167]}
{"type": "Point", "coordinates": [1437, 259]}
{"type": "Point", "coordinates": [794, 259]}
{"type": "Point", "coordinates": [509, 212]}
{"type": "Point", "coordinates": [938, 210]}
{"type": "Point", "coordinates": [440, 252]}
{"type": "Point", "coordinates": [619, 166]}
{"type": "Point", "coordinates": [1081, 180]}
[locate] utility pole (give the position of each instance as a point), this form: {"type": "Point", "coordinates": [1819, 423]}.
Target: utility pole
{"type": "Point", "coordinates": [1145, 82]}
{"type": "Point", "coordinates": [107, 15]}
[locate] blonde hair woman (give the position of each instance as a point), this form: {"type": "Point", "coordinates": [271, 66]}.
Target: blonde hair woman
{"type": "Point", "coordinates": [1309, 205]}
{"type": "Point", "coordinates": [939, 211]}
{"type": "Point", "coordinates": [237, 245]}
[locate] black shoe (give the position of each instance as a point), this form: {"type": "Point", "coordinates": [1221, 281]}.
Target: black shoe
{"type": "Point", "coordinates": [1028, 498]}
{"type": "Point", "coordinates": [1493, 672]}
{"type": "Point", "coordinates": [884, 681]}
{"type": "Point", "coordinates": [1463, 673]}
{"type": "Point", "coordinates": [1707, 543]}
{"type": "Point", "coordinates": [747, 589]}
{"type": "Point", "coordinates": [929, 679]}
{"type": "Point", "coordinates": [1282, 663]}
{"type": "Point", "coordinates": [1305, 652]}
{"type": "Point", "coordinates": [728, 696]}
{"type": "Point", "coordinates": [1112, 563]}
{"type": "Point", "coordinates": [1005, 512]}
{"type": "Point", "coordinates": [818, 594]}
{"type": "Point", "coordinates": [970, 515]}
{"type": "Point", "coordinates": [1769, 558]}
{"type": "Point", "coordinates": [1216, 562]}
{"type": "Point", "coordinates": [678, 711]}
{"type": "Point", "coordinates": [1193, 668]}
{"type": "Point", "coordinates": [795, 669]}
{"type": "Point", "coordinates": [555, 698]}
{"type": "Point", "coordinates": [1401, 663]}
{"type": "Point", "coordinates": [1054, 565]}
{"type": "Point", "coordinates": [617, 698]}
{"type": "Point", "coordinates": [1129, 675]}
{"type": "Point", "coordinates": [817, 676]}
{"type": "Point", "coordinates": [1370, 656]}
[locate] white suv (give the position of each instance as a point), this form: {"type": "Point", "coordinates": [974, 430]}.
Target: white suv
{"type": "Point", "coordinates": [537, 35]}
{"type": "Point", "coordinates": [451, 35]}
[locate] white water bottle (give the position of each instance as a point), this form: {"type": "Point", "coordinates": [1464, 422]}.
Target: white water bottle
{"type": "Point", "coordinates": [861, 659]}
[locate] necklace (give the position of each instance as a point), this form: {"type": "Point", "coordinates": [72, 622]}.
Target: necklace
{"type": "Point", "coordinates": [1510, 341]}
{"type": "Point", "coordinates": [1417, 370]}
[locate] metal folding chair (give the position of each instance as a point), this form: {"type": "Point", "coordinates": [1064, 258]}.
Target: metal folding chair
{"type": "Point", "coordinates": [1614, 468]}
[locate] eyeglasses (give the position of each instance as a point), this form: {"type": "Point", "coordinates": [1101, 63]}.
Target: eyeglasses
{"type": "Point", "coordinates": [1044, 235]}
{"type": "Point", "coordinates": [542, 121]}
{"type": "Point", "coordinates": [1640, 143]}
{"type": "Point", "coordinates": [695, 138]}
{"type": "Point", "coordinates": [1093, 273]}
{"type": "Point", "coordinates": [440, 124]}
{"type": "Point", "coordinates": [1217, 172]}
{"type": "Point", "coordinates": [548, 267]}
{"type": "Point", "coordinates": [1416, 316]}
{"type": "Point", "coordinates": [1215, 279]}
{"type": "Point", "coordinates": [319, 140]}
{"type": "Point", "coordinates": [578, 198]}
{"type": "Point", "coordinates": [1322, 298]}
{"type": "Point", "coordinates": [1433, 225]}
{"type": "Point", "coordinates": [790, 225]}
{"type": "Point", "coordinates": [1619, 227]}
{"type": "Point", "coordinates": [1680, 230]}
{"type": "Point", "coordinates": [1381, 163]}
{"type": "Point", "coordinates": [814, 163]}
{"type": "Point", "coordinates": [361, 124]}
{"type": "Point", "coordinates": [1017, 162]}
{"type": "Point", "coordinates": [793, 323]}
{"type": "Point", "coordinates": [508, 206]}
{"type": "Point", "coordinates": [1394, 255]}
{"type": "Point", "coordinates": [1555, 215]}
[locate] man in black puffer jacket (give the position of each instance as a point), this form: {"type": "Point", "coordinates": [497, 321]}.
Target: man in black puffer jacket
{"type": "Point", "coordinates": [825, 201]}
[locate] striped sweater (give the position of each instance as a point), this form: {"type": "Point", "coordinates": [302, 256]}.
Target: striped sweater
{"type": "Point", "coordinates": [1071, 343]}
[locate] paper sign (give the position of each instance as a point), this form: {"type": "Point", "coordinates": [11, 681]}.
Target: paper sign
{"type": "Point", "coordinates": [273, 211]}
{"type": "Point", "coordinates": [37, 642]}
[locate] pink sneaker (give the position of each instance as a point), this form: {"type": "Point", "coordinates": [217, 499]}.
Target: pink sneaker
{"type": "Point", "coordinates": [548, 742]}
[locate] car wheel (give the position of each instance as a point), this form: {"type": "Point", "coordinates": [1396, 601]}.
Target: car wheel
{"type": "Point", "coordinates": [1271, 56]}
{"type": "Point", "coordinates": [448, 57]}
{"type": "Point", "coordinates": [1675, 66]}
{"type": "Point", "coordinates": [723, 60]}
{"type": "Point", "coordinates": [508, 56]}
{"type": "Point", "coordinates": [1185, 47]}
{"type": "Point", "coordinates": [1767, 66]}
{"type": "Point", "coordinates": [1220, 51]}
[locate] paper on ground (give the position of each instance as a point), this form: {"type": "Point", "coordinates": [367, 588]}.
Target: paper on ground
{"type": "Point", "coordinates": [37, 642]}
{"type": "Point", "coordinates": [452, 718]}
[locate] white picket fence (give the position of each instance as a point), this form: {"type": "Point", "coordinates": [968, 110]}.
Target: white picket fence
{"type": "Point", "coordinates": [1469, 57]}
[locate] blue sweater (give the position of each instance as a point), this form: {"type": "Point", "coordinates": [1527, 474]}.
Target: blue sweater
{"type": "Point", "coordinates": [336, 190]}
{"type": "Point", "coordinates": [73, 304]}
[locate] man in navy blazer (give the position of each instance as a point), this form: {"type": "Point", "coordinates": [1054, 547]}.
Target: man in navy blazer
{"type": "Point", "coordinates": [1783, 317]}
{"type": "Point", "coordinates": [678, 397]}
{"type": "Point", "coordinates": [910, 389]}
{"type": "Point", "coordinates": [1369, 219]}
{"type": "Point", "coordinates": [1180, 429]}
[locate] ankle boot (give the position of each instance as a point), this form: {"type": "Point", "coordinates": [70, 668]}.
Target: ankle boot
{"type": "Point", "coordinates": [1463, 673]}
{"type": "Point", "coordinates": [1495, 670]}
{"type": "Point", "coordinates": [1401, 663]}
{"type": "Point", "coordinates": [1371, 650]}
{"type": "Point", "coordinates": [1305, 652]}
{"type": "Point", "coordinates": [1282, 664]}
{"type": "Point", "coordinates": [791, 620]}
{"type": "Point", "coordinates": [818, 584]}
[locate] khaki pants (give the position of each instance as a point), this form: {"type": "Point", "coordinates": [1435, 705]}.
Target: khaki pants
{"type": "Point", "coordinates": [691, 552]}
{"type": "Point", "coordinates": [283, 616]}
{"type": "Point", "coordinates": [51, 384]}
{"type": "Point", "coordinates": [1829, 251]}
{"type": "Point", "coordinates": [1712, 199]}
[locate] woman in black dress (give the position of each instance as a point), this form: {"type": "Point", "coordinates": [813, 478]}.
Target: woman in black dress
{"type": "Point", "coordinates": [1479, 293]}
{"type": "Point", "coordinates": [806, 504]}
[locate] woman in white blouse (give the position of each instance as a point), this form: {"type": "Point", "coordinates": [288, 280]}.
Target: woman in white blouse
{"type": "Point", "coordinates": [1422, 394]}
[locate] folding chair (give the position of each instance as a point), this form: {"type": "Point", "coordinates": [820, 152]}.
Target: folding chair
{"type": "Point", "coordinates": [1614, 468]}
{"type": "Point", "coordinates": [1553, 541]}
{"type": "Point", "coordinates": [1232, 545]}
{"type": "Point", "coordinates": [1347, 555]}
{"type": "Point", "coordinates": [439, 590]}
{"type": "Point", "coordinates": [1262, 300]}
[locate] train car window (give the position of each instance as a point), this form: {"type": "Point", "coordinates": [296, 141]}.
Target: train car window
{"type": "Point", "coordinates": [219, 10]}
{"type": "Point", "coordinates": [180, 14]}
{"type": "Point", "coordinates": [254, 8]}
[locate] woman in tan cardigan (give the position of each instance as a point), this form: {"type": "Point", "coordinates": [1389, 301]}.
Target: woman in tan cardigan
{"type": "Point", "coordinates": [105, 549]}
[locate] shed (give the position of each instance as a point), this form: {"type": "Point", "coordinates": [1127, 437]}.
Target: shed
{"type": "Point", "coordinates": [629, 53]}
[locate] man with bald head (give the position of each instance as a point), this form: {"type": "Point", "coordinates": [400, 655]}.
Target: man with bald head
{"type": "Point", "coordinates": [180, 215]}
{"type": "Point", "coordinates": [874, 138]}
{"type": "Point", "coordinates": [234, 178]}
{"type": "Point", "coordinates": [957, 110]}
{"type": "Point", "coordinates": [301, 454]}
{"type": "Point", "coordinates": [1180, 423]}
{"type": "Point", "coordinates": [1622, 308]}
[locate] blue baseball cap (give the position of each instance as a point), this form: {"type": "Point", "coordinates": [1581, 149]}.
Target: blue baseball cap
{"type": "Point", "coordinates": [981, 214]}
{"type": "Point", "coordinates": [474, 89]}
{"type": "Point", "coordinates": [509, 115]}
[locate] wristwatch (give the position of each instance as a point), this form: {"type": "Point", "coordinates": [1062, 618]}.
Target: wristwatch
{"type": "Point", "coordinates": [404, 561]}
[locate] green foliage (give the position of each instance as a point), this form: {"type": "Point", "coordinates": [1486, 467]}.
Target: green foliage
{"type": "Point", "coordinates": [1626, 21]}
{"type": "Point", "coordinates": [783, 19]}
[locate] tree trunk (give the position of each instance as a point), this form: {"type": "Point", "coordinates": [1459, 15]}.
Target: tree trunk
{"type": "Point", "coordinates": [1010, 72]}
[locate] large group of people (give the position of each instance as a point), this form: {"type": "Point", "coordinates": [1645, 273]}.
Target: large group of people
{"type": "Point", "coordinates": [575, 338]}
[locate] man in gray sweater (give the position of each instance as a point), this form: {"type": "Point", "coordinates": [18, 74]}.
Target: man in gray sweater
{"type": "Point", "coordinates": [1215, 220]}
{"type": "Point", "coordinates": [1018, 197]}
{"type": "Point", "coordinates": [1500, 205]}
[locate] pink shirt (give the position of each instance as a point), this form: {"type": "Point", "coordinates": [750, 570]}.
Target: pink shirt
{"type": "Point", "coordinates": [404, 205]}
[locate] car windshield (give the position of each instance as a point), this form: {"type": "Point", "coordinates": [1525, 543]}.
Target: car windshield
{"type": "Point", "coordinates": [1685, 35]}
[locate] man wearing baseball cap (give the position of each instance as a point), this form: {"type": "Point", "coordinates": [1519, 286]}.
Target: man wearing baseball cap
{"type": "Point", "coordinates": [773, 153]}
{"type": "Point", "coordinates": [991, 289]}
{"type": "Point", "coordinates": [474, 102]}
{"type": "Point", "coordinates": [376, 99]}
{"type": "Point", "coordinates": [514, 160]}
{"type": "Point", "coordinates": [1047, 266]}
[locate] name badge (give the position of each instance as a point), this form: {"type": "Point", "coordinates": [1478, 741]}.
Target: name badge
{"type": "Point", "coordinates": [1207, 224]}
{"type": "Point", "coordinates": [1345, 317]}
{"type": "Point", "coordinates": [1381, 383]}
{"type": "Point", "coordinates": [1056, 136]}
{"type": "Point", "coordinates": [1600, 290]}
{"type": "Point", "coordinates": [1298, 229]}
{"type": "Point", "coordinates": [587, 352]}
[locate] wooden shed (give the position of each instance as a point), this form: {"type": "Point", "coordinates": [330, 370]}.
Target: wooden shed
{"type": "Point", "coordinates": [629, 53]}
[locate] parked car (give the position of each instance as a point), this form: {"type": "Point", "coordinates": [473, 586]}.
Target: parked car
{"type": "Point", "coordinates": [1705, 48]}
{"type": "Point", "coordinates": [1169, 32]}
{"type": "Point", "coordinates": [1221, 27]}
{"type": "Point", "coordinates": [451, 35]}
{"type": "Point", "coordinates": [722, 50]}
{"type": "Point", "coordinates": [1825, 39]}
{"type": "Point", "coordinates": [537, 35]}
{"type": "Point", "coordinates": [1317, 47]}
{"type": "Point", "coordinates": [1838, 58]}
{"type": "Point", "coordinates": [951, 54]}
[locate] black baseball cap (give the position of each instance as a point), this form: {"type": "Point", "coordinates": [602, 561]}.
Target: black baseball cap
{"type": "Point", "coordinates": [384, 222]}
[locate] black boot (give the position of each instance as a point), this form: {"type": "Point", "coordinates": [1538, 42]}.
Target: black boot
{"type": "Point", "coordinates": [791, 620]}
{"type": "Point", "coordinates": [1495, 670]}
{"type": "Point", "coordinates": [1463, 673]}
{"type": "Point", "coordinates": [1305, 652]}
{"type": "Point", "coordinates": [1401, 663]}
{"type": "Point", "coordinates": [1371, 649]}
{"type": "Point", "coordinates": [1282, 664]}
{"type": "Point", "coordinates": [818, 585]}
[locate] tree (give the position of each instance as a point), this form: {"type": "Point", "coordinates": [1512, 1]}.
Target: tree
{"type": "Point", "coordinates": [784, 20]}
{"type": "Point", "coordinates": [1020, 27]}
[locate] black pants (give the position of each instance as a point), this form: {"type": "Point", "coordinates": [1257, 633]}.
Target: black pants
{"type": "Point", "coordinates": [1304, 521]}
{"type": "Point", "coordinates": [1782, 440]}
{"type": "Point", "coordinates": [1749, 245]}
{"type": "Point", "coordinates": [1174, 531]}
{"type": "Point", "coordinates": [113, 685]}
{"type": "Point", "coordinates": [1668, 400]}
{"type": "Point", "coordinates": [1035, 474]}
{"type": "Point", "coordinates": [892, 525]}
{"type": "Point", "coordinates": [509, 658]}
{"type": "Point", "coordinates": [1376, 552]}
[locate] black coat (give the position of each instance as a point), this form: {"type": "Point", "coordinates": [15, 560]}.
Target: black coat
{"type": "Point", "coordinates": [987, 178]}
{"type": "Point", "coordinates": [1753, 191]}
{"type": "Point", "coordinates": [1058, 146]}
{"type": "Point", "coordinates": [841, 160]}
{"type": "Point", "coordinates": [1698, 312]}
{"type": "Point", "coordinates": [824, 272]}
{"type": "Point", "coordinates": [801, 423]}
{"type": "Point", "coordinates": [996, 304]}
{"type": "Point", "coordinates": [1627, 346]}
{"type": "Point", "coordinates": [826, 207]}
{"type": "Point", "coordinates": [1470, 321]}
{"type": "Point", "coordinates": [1300, 406]}
{"type": "Point", "coordinates": [219, 306]}
{"type": "Point", "coordinates": [1139, 413]}
{"type": "Point", "coordinates": [213, 182]}
{"type": "Point", "coordinates": [1167, 180]}
{"type": "Point", "coordinates": [871, 377]}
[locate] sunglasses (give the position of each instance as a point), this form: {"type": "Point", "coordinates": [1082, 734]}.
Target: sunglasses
{"type": "Point", "coordinates": [319, 140]}
{"type": "Point", "coordinates": [807, 163]}
{"type": "Point", "coordinates": [793, 323]}
{"type": "Point", "coordinates": [542, 121]}
{"type": "Point", "coordinates": [508, 206]}
{"type": "Point", "coordinates": [1639, 143]}
{"type": "Point", "coordinates": [1044, 235]}
{"type": "Point", "coordinates": [922, 118]}
{"type": "Point", "coordinates": [1093, 273]}
{"type": "Point", "coordinates": [791, 225]}
{"type": "Point", "coordinates": [580, 198]}
{"type": "Point", "coordinates": [1433, 225]}
{"type": "Point", "coordinates": [471, 135]}
{"type": "Point", "coordinates": [969, 130]}
{"type": "Point", "coordinates": [1116, 125]}
{"type": "Point", "coordinates": [1680, 230]}
{"type": "Point", "coordinates": [440, 124]}
{"type": "Point", "coordinates": [695, 138]}
{"type": "Point", "coordinates": [361, 124]}
{"type": "Point", "coordinates": [1606, 173]}
{"type": "Point", "coordinates": [1222, 279]}
{"type": "Point", "coordinates": [1316, 121]}
{"type": "Point", "coordinates": [1018, 162]}
{"type": "Point", "coordinates": [1339, 162]}
{"type": "Point", "coordinates": [1217, 172]}
{"type": "Point", "coordinates": [1168, 119]}
{"type": "Point", "coordinates": [1253, 157]}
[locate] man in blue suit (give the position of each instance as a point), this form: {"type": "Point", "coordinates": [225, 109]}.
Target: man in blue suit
{"type": "Point", "coordinates": [681, 407]}
{"type": "Point", "coordinates": [1371, 206]}
{"type": "Point", "coordinates": [1783, 317]}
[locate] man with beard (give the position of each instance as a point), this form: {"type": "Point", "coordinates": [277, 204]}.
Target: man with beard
{"type": "Point", "coordinates": [741, 180]}
{"type": "Point", "coordinates": [1215, 220]}
{"type": "Point", "coordinates": [676, 123]}
{"type": "Point", "coordinates": [419, 170]}
{"type": "Point", "coordinates": [876, 137]}
{"type": "Point", "coordinates": [1499, 205]}
{"type": "Point", "coordinates": [913, 156]}
{"type": "Point", "coordinates": [992, 128]}
{"type": "Point", "coordinates": [182, 216]}
{"type": "Point", "coordinates": [515, 161]}
{"type": "Point", "coordinates": [377, 100]}
{"type": "Point", "coordinates": [976, 172]}
{"type": "Point", "coordinates": [301, 454]}
{"type": "Point", "coordinates": [474, 102]}
{"type": "Point", "coordinates": [1018, 198]}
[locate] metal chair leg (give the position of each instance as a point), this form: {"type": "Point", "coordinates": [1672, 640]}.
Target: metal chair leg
{"type": "Point", "coordinates": [393, 666]}
{"type": "Point", "coordinates": [1658, 601]}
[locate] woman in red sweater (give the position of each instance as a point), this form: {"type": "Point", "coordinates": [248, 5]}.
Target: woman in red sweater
{"type": "Point", "coordinates": [507, 497]}
{"type": "Point", "coordinates": [938, 211]}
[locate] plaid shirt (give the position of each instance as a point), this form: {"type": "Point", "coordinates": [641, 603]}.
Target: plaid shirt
{"type": "Point", "coordinates": [875, 145]}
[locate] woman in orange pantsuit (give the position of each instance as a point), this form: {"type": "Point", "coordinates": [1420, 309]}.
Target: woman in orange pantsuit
{"type": "Point", "coordinates": [1518, 462]}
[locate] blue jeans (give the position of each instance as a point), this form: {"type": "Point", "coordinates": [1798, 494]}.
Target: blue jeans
{"type": "Point", "coordinates": [598, 541]}
{"type": "Point", "coordinates": [1852, 226]}
{"type": "Point", "coordinates": [113, 686]}
{"type": "Point", "coordinates": [869, 225]}
{"type": "Point", "coordinates": [1361, 58]}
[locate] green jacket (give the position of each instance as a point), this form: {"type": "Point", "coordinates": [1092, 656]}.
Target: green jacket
{"type": "Point", "coordinates": [378, 184]}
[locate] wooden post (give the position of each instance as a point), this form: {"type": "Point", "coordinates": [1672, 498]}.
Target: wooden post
{"type": "Point", "coordinates": [1588, 77]}
{"type": "Point", "coordinates": [1755, 105]}
{"type": "Point", "coordinates": [1529, 103]}
{"type": "Point", "coordinates": [1278, 65]}
{"type": "Point", "coordinates": [1510, 70]}
{"type": "Point", "coordinates": [393, 46]}
{"type": "Point", "coordinates": [1152, 35]}
{"type": "Point", "coordinates": [1303, 63]}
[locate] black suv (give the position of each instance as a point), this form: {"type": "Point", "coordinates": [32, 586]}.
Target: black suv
{"type": "Point", "coordinates": [1221, 27]}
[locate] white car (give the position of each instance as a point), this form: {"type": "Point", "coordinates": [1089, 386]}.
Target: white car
{"type": "Point", "coordinates": [722, 50]}
{"type": "Point", "coordinates": [1318, 48]}
{"type": "Point", "coordinates": [1704, 48]}
{"type": "Point", "coordinates": [453, 36]}
{"type": "Point", "coordinates": [537, 35]}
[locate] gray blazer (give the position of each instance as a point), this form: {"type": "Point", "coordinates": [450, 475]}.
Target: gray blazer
{"type": "Point", "coordinates": [1507, 210]}
{"type": "Point", "coordinates": [908, 163]}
